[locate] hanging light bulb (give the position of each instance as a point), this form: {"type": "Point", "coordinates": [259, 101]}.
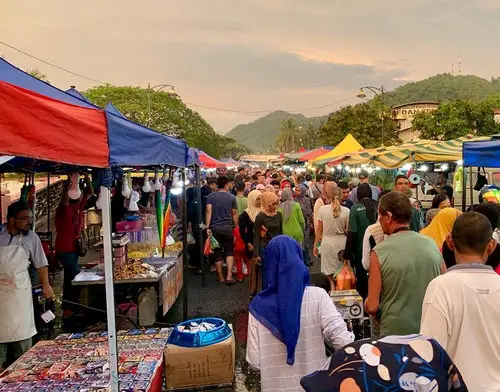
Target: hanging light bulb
{"type": "Point", "coordinates": [157, 182]}
{"type": "Point", "coordinates": [126, 191]}
{"type": "Point", "coordinates": [146, 188]}
{"type": "Point", "coordinates": [339, 166]}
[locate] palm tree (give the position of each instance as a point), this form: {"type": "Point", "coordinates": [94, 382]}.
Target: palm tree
{"type": "Point", "coordinates": [289, 136]}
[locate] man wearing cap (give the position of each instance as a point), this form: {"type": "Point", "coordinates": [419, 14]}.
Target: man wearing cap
{"type": "Point", "coordinates": [19, 246]}
{"type": "Point", "coordinates": [363, 178]}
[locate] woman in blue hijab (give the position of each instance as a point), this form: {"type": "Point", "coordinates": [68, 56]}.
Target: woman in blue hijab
{"type": "Point", "coordinates": [290, 320]}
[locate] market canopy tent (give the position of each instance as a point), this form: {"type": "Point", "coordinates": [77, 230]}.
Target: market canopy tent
{"type": "Point", "coordinates": [482, 153]}
{"type": "Point", "coordinates": [130, 144]}
{"type": "Point", "coordinates": [40, 127]}
{"type": "Point", "coordinates": [393, 157]}
{"type": "Point", "coordinates": [208, 162]}
{"type": "Point", "coordinates": [314, 154]}
{"type": "Point", "coordinates": [294, 156]}
{"type": "Point", "coordinates": [348, 145]}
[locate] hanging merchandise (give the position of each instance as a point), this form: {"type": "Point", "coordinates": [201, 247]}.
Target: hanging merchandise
{"type": "Point", "coordinates": [126, 191]}
{"type": "Point", "coordinates": [74, 192]}
{"type": "Point", "coordinates": [146, 188]}
{"type": "Point", "coordinates": [99, 201]}
{"type": "Point", "coordinates": [157, 182]}
{"type": "Point", "coordinates": [133, 205]}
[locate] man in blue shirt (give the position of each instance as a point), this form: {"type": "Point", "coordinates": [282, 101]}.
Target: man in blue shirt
{"type": "Point", "coordinates": [363, 178]}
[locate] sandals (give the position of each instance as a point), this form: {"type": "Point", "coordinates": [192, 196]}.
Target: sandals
{"type": "Point", "coordinates": [230, 282]}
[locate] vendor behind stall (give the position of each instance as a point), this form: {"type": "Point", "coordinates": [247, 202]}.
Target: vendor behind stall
{"type": "Point", "coordinates": [69, 226]}
{"type": "Point", "coordinates": [19, 246]}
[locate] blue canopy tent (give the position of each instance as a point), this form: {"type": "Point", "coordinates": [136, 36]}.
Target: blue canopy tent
{"type": "Point", "coordinates": [482, 154]}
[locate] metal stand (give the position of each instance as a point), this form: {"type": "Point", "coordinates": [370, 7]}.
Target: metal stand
{"type": "Point", "coordinates": [110, 292]}
{"type": "Point", "coordinates": [184, 248]}
{"type": "Point", "coordinates": [200, 220]}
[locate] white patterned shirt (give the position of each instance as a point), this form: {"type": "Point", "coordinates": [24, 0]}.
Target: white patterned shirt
{"type": "Point", "coordinates": [319, 322]}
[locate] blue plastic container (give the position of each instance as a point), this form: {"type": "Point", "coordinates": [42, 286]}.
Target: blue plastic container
{"type": "Point", "coordinates": [203, 338]}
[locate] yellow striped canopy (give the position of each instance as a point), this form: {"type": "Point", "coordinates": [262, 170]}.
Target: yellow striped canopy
{"type": "Point", "coordinates": [394, 157]}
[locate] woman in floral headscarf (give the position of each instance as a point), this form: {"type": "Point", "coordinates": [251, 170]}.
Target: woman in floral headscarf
{"type": "Point", "coordinates": [268, 224]}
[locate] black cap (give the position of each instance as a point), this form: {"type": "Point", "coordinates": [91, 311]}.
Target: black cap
{"type": "Point", "coordinates": [363, 174]}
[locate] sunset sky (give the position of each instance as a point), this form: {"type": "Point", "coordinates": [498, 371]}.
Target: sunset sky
{"type": "Point", "coordinates": [253, 55]}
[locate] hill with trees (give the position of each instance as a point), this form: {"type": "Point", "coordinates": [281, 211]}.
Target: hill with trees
{"type": "Point", "coordinates": [445, 87]}
{"type": "Point", "coordinates": [260, 135]}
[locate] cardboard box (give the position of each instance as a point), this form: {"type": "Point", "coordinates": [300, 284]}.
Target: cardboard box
{"type": "Point", "coordinates": [348, 303]}
{"type": "Point", "coordinates": [188, 368]}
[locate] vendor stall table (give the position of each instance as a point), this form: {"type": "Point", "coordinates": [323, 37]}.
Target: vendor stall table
{"type": "Point", "coordinates": [79, 362]}
{"type": "Point", "coordinates": [168, 283]}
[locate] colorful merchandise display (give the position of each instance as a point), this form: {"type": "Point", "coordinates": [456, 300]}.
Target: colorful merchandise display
{"type": "Point", "coordinates": [79, 362]}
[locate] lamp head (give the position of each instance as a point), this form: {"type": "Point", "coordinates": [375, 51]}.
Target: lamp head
{"type": "Point", "coordinates": [361, 94]}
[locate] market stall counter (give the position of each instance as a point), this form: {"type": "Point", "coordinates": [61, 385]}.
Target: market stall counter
{"type": "Point", "coordinates": [79, 362]}
{"type": "Point", "coordinates": [137, 268]}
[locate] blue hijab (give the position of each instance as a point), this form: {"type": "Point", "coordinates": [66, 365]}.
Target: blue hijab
{"type": "Point", "coordinates": [279, 305]}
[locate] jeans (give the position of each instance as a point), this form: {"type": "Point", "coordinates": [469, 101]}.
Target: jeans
{"type": "Point", "coordinates": [10, 352]}
{"type": "Point", "coordinates": [71, 269]}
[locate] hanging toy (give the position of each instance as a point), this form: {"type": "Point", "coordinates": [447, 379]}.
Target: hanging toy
{"type": "Point", "coordinates": [157, 182]}
{"type": "Point", "coordinates": [126, 191]}
{"type": "Point", "coordinates": [146, 188]}
{"type": "Point", "coordinates": [74, 192]}
{"type": "Point", "coordinates": [133, 205]}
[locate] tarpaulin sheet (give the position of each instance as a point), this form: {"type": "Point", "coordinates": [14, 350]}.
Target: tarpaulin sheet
{"type": "Point", "coordinates": [33, 125]}
{"type": "Point", "coordinates": [208, 162]}
{"type": "Point", "coordinates": [313, 154]}
{"type": "Point", "coordinates": [347, 146]}
{"type": "Point", "coordinates": [482, 154]}
{"type": "Point", "coordinates": [131, 144]}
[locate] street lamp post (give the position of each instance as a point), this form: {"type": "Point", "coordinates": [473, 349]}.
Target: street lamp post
{"type": "Point", "coordinates": [156, 89]}
{"type": "Point", "coordinates": [381, 94]}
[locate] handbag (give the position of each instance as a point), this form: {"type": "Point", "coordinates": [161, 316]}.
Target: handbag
{"type": "Point", "coordinates": [481, 180]}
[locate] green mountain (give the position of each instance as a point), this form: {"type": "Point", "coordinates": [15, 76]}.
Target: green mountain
{"type": "Point", "coordinates": [445, 87]}
{"type": "Point", "coordinates": [260, 135]}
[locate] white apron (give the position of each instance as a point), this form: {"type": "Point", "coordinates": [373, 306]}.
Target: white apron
{"type": "Point", "coordinates": [17, 320]}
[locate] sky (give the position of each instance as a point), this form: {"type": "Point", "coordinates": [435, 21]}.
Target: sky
{"type": "Point", "coordinates": [253, 55]}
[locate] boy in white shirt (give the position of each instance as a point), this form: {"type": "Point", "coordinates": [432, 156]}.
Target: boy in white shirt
{"type": "Point", "coordinates": [461, 308]}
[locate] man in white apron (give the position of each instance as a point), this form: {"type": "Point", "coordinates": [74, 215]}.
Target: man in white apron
{"type": "Point", "coordinates": [19, 246]}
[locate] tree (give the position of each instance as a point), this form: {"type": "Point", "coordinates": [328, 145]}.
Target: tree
{"type": "Point", "coordinates": [230, 148]}
{"type": "Point", "coordinates": [289, 136]}
{"type": "Point", "coordinates": [162, 112]}
{"type": "Point", "coordinates": [455, 119]}
{"type": "Point", "coordinates": [310, 136]}
{"type": "Point", "coordinates": [36, 73]}
{"type": "Point", "coordinates": [367, 122]}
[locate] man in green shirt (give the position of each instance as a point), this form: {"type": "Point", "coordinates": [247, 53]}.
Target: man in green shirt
{"type": "Point", "coordinates": [402, 184]}
{"type": "Point", "coordinates": [241, 200]}
{"type": "Point", "coordinates": [401, 267]}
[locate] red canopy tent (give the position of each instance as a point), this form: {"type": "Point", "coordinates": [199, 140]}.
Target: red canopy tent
{"type": "Point", "coordinates": [208, 162]}
{"type": "Point", "coordinates": [40, 127]}
{"type": "Point", "coordinates": [313, 154]}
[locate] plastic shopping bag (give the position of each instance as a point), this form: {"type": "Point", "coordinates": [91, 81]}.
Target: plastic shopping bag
{"type": "Point", "coordinates": [207, 250]}
{"type": "Point", "coordinates": [345, 278]}
{"type": "Point", "coordinates": [214, 244]}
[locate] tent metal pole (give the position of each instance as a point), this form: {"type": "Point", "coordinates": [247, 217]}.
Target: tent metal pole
{"type": "Point", "coordinates": [464, 189]}
{"type": "Point", "coordinates": [48, 205]}
{"type": "Point", "coordinates": [184, 249]}
{"type": "Point", "coordinates": [471, 188]}
{"type": "Point", "coordinates": [200, 220]}
{"type": "Point", "coordinates": [110, 292]}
